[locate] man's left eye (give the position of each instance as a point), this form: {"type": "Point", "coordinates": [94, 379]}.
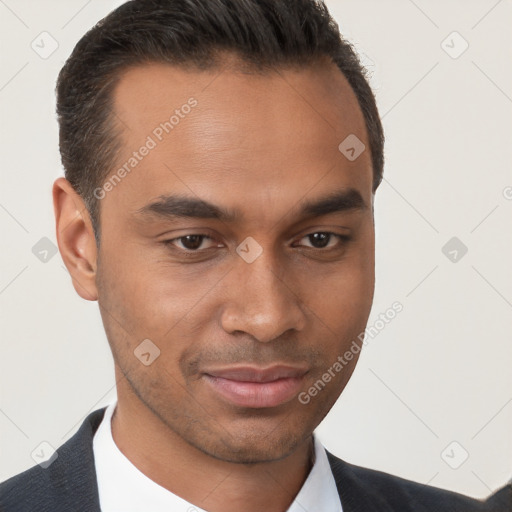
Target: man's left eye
{"type": "Point", "coordinates": [321, 239]}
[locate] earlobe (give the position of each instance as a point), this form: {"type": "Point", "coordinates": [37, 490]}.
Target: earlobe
{"type": "Point", "coordinates": [75, 238]}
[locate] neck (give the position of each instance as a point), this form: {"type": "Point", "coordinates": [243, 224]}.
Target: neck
{"type": "Point", "coordinates": [212, 484]}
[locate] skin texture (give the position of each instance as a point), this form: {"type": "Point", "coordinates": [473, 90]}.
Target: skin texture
{"type": "Point", "coordinates": [262, 144]}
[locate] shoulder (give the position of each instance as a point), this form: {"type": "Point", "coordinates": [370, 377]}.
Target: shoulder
{"type": "Point", "coordinates": [501, 500]}
{"type": "Point", "coordinates": [385, 492]}
{"type": "Point", "coordinates": [69, 479]}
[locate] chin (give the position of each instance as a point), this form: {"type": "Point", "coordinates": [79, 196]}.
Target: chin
{"type": "Point", "coordinates": [253, 447]}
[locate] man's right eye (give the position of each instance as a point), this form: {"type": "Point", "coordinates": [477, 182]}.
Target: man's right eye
{"type": "Point", "coordinates": [189, 243]}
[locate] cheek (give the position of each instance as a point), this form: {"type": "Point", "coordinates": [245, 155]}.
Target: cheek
{"type": "Point", "coordinates": [158, 300]}
{"type": "Point", "coordinates": [131, 310]}
{"type": "Point", "coordinates": [345, 291]}
{"type": "Point", "coordinates": [343, 305]}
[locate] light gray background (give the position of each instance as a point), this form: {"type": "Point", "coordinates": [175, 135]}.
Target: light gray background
{"type": "Point", "coordinates": [439, 372]}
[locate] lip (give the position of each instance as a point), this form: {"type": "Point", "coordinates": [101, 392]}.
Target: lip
{"type": "Point", "coordinates": [247, 386]}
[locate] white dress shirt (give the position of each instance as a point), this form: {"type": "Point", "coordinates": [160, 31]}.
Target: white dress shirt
{"type": "Point", "coordinates": [124, 488]}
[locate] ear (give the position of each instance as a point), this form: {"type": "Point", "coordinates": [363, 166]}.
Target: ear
{"type": "Point", "coordinates": [75, 237]}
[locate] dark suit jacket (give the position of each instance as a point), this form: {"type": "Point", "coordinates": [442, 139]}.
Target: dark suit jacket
{"type": "Point", "coordinates": [69, 485]}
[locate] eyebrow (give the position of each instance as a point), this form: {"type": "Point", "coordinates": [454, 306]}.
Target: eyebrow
{"type": "Point", "coordinates": [179, 206]}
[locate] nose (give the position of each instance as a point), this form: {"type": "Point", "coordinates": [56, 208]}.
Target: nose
{"type": "Point", "coordinates": [260, 302]}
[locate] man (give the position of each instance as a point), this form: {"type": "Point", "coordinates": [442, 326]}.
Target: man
{"type": "Point", "coordinates": [221, 162]}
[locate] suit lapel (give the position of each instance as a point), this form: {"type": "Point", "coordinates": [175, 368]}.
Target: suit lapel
{"type": "Point", "coordinates": [355, 494]}
{"type": "Point", "coordinates": [72, 477]}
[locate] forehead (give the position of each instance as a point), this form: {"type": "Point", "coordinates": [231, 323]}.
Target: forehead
{"type": "Point", "coordinates": [270, 102]}
{"type": "Point", "coordinates": [270, 136]}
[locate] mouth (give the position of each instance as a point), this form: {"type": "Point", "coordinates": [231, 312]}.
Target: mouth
{"type": "Point", "coordinates": [247, 386]}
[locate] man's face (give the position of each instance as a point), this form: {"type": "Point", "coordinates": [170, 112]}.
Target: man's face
{"type": "Point", "coordinates": [249, 311]}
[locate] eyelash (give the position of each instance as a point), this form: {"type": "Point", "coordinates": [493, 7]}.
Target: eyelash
{"type": "Point", "coordinates": [342, 239]}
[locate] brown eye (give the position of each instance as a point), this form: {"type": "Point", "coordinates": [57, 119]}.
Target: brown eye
{"type": "Point", "coordinates": [192, 241]}
{"type": "Point", "coordinates": [322, 239]}
{"type": "Point", "coordinates": [189, 242]}
{"type": "Point", "coordinates": [319, 240]}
